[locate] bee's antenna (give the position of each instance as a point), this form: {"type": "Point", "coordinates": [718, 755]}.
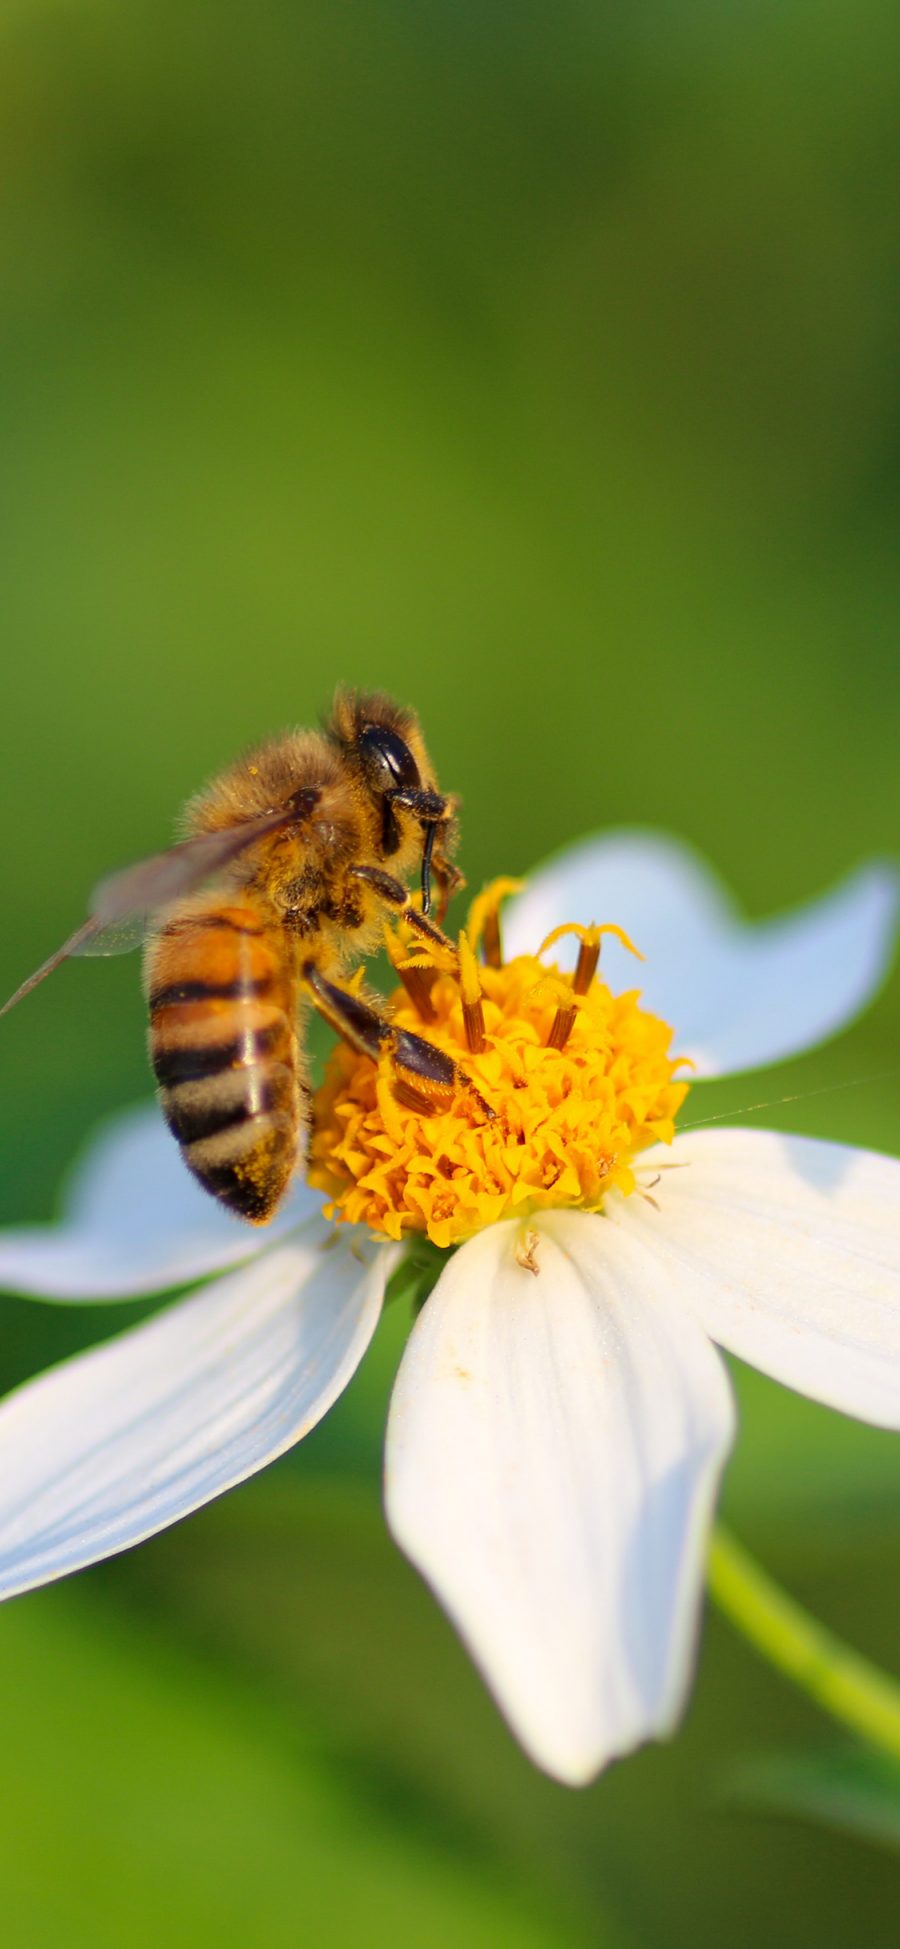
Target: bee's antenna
{"type": "Point", "coordinates": [427, 850]}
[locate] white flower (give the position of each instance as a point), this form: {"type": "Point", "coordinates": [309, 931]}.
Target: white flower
{"type": "Point", "coordinates": [555, 1441]}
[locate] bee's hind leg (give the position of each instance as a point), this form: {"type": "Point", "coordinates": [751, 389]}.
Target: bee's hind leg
{"type": "Point", "coordinates": [425, 1077]}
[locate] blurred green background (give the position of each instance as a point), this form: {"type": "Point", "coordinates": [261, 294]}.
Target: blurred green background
{"type": "Point", "coordinates": [539, 365]}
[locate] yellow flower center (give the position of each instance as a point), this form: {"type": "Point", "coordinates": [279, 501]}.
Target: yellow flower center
{"type": "Point", "coordinates": [561, 1085]}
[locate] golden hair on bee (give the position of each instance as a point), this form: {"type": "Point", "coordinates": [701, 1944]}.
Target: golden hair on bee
{"type": "Point", "coordinates": [290, 861]}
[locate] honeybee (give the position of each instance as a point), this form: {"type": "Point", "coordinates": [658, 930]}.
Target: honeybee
{"type": "Point", "coordinates": [290, 862]}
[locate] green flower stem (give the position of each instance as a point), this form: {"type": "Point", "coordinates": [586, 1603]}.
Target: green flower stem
{"type": "Point", "coordinates": [417, 1273]}
{"type": "Point", "coordinates": [847, 1686]}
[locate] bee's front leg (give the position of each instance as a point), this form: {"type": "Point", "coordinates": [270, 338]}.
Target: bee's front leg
{"type": "Point", "coordinates": [448, 879]}
{"type": "Point", "coordinates": [396, 896]}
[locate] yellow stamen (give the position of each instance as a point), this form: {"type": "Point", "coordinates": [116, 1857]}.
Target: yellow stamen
{"type": "Point", "coordinates": [569, 1120]}
{"type": "Point", "coordinates": [561, 1026]}
{"type": "Point", "coordinates": [590, 936]}
{"type": "Point", "coordinates": [417, 976]}
{"type": "Point", "coordinates": [470, 991]}
{"type": "Point", "coordinates": [484, 919]}
{"type": "Point", "coordinates": [585, 970]}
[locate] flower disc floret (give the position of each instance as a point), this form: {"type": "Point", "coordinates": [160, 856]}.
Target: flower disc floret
{"type": "Point", "coordinates": [567, 1122]}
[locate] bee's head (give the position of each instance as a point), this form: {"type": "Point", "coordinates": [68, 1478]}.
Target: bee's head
{"type": "Point", "coordinates": [384, 745]}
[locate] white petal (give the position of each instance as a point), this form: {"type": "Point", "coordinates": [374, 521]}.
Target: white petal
{"type": "Point", "coordinates": [135, 1221]}
{"type": "Point", "coordinates": [788, 1252]}
{"type": "Point", "coordinates": [121, 1441]}
{"type": "Point", "coordinates": [739, 994]}
{"type": "Point", "coordinates": [554, 1445]}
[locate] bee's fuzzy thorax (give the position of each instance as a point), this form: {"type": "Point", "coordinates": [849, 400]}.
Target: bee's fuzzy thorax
{"type": "Point", "coordinates": [262, 779]}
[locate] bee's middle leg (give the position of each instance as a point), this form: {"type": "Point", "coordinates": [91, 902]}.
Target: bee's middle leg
{"type": "Point", "coordinates": [425, 1077]}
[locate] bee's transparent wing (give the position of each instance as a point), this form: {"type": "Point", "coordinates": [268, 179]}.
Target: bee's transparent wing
{"type": "Point", "coordinates": [119, 937]}
{"type": "Point", "coordinates": [122, 904]}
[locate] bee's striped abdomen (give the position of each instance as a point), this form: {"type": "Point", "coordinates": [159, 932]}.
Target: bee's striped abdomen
{"type": "Point", "coordinates": [223, 1044]}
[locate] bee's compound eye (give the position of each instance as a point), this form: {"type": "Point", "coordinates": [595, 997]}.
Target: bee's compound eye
{"type": "Point", "coordinates": [389, 762]}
